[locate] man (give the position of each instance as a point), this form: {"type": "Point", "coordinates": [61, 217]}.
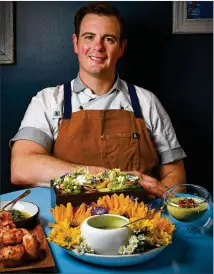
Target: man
{"type": "Point", "coordinates": [97, 120]}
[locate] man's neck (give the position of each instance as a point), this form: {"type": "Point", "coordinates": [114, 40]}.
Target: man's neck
{"type": "Point", "coordinates": [98, 85]}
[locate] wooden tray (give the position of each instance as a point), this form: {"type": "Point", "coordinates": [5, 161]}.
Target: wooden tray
{"type": "Point", "coordinates": [45, 264]}
{"type": "Point", "coordinates": [88, 198]}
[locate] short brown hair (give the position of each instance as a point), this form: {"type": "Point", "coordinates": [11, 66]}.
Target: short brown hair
{"type": "Point", "coordinates": [99, 8]}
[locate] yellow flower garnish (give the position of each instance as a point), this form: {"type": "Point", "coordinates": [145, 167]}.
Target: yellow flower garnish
{"type": "Point", "coordinates": [145, 225]}
{"type": "Point", "coordinates": [124, 206]}
{"type": "Point", "coordinates": [57, 228]}
{"type": "Point", "coordinates": [68, 238]}
{"type": "Point", "coordinates": [158, 229]}
{"type": "Point", "coordinates": [61, 213]}
{"type": "Point", "coordinates": [158, 238]}
{"type": "Point", "coordinates": [66, 231]}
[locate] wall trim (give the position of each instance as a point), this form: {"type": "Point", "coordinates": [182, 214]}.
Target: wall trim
{"type": "Point", "coordinates": [6, 33]}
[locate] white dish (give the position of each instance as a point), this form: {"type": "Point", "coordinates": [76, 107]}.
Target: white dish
{"type": "Point", "coordinates": [117, 260]}
{"type": "Point", "coordinates": [28, 207]}
{"type": "Point", "coordinates": [106, 241]}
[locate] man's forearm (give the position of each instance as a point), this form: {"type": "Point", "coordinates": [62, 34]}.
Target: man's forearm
{"type": "Point", "coordinates": [173, 180]}
{"type": "Point", "coordinates": [174, 175]}
{"type": "Point", "coordinates": [39, 169]}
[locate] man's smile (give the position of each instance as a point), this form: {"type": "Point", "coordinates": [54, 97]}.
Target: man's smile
{"type": "Point", "coordinates": [97, 59]}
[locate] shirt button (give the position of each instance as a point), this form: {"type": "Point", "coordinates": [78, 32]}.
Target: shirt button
{"type": "Point", "coordinates": [81, 107]}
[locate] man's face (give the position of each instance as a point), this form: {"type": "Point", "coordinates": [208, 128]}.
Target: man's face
{"type": "Point", "coordinates": [98, 45]}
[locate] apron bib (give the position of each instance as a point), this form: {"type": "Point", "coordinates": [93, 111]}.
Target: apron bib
{"type": "Point", "coordinates": [105, 138]}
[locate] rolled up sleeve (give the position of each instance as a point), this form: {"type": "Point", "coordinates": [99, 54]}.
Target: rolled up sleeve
{"type": "Point", "coordinates": [163, 134]}
{"type": "Point", "coordinates": [36, 124]}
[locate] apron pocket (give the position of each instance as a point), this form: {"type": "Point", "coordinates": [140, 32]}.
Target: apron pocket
{"type": "Point", "coordinates": [120, 151]}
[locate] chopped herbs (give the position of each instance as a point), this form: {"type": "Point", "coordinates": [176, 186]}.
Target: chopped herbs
{"type": "Point", "coordinates": [18, 215]}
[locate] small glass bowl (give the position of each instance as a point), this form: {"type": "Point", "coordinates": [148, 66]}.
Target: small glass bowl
{"type": "Point", "coordinates": [187, 202]}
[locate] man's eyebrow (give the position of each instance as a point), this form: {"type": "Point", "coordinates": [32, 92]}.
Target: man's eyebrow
{"type": "Point", "coordinates": [87, 33]}
{"type": "Point", "coordinates": [106, 35]}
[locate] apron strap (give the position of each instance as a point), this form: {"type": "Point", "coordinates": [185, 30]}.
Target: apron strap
{"type": "Point", "coordinates": [135, 101]}
{"type": "Point", "coordinates": [67, 101]}
{"type": "Point", "coordinates": [68, 106]}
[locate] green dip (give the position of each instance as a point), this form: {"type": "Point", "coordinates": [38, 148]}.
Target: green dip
{"type": "Point", "coordinates": [186, 214]}
{"type": "Point", "coordinates": [18, 215]}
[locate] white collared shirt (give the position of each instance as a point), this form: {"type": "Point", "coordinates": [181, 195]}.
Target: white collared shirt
{"type": "Point", "coordinates": [41, 121]}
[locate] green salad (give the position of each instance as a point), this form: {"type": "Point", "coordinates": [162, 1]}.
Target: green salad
{"type": "Point", "coordinates": [81, 181]}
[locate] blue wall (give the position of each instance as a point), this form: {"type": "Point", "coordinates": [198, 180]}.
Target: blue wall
{"type": "Point", "coordinates": [177, 68]}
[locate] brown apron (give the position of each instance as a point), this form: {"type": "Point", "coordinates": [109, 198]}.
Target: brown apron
{"type": "Point", "coordinates": [105, 138]}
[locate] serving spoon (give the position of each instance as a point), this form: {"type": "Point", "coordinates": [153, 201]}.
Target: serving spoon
{"type": "Point", "coordinates": [146, 217]}
{"type": "Point", "coordinates": [27, 192]}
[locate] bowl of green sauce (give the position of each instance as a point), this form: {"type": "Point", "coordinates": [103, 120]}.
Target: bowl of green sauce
{"type": "Point", "coordinates": [105, 234]}
{"type": "Point", "coordinates": [23, 213]}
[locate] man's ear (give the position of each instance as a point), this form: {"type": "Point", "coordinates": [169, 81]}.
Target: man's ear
{"type": "Point", "coordinates": [75, 40]}
{"type": "Point", "coordinates": [123, 47]}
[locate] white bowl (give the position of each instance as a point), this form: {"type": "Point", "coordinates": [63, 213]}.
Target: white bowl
{"type": "Point", "coordinates": [105, 241]}
{"type": "Point", "coordinates": [28, 207]}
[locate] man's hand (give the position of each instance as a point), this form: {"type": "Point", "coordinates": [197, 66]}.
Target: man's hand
{"type": "Point", "coordinates": [152, 185]}
{"type": "Point", "coordinates": [95, 169]}
{"type": "Point", "coordinates": [171, 174]}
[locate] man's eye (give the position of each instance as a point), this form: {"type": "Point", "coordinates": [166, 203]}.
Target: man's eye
{"type": "Point", "coordinates": [110, 40]}
{"type": "Point", "coordinates": [89, 37]}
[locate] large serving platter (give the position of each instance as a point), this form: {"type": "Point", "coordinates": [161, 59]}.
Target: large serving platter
{"type": "Point", "coordinates": [134, 259]}
{"type": "Point", "coordinates": [114, 260]}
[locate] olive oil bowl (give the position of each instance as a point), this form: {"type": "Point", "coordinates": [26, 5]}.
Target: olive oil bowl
{"type": "Point", "coordinates": [23, 213]}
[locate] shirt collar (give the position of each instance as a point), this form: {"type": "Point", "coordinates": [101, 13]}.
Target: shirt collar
{"type": "Point", "coordinates": [80, 86]}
